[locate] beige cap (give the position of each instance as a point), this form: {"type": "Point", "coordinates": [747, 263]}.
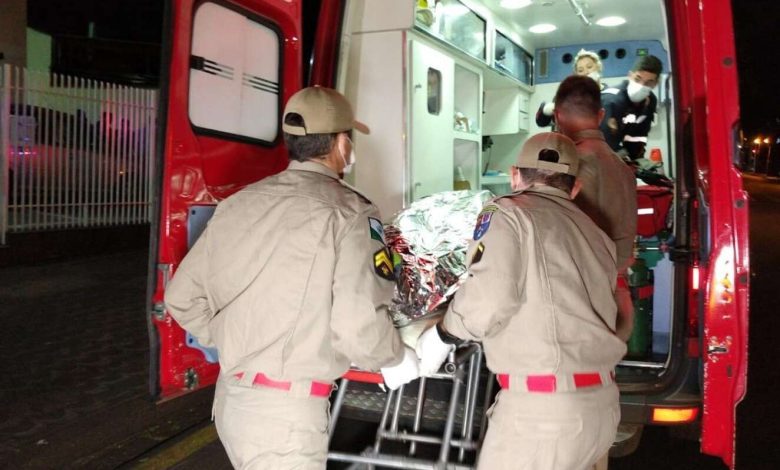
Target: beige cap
{"type": "Point", "coordinates": [324, 111]}
{"type": "Point", "coordinates": [549, 151]}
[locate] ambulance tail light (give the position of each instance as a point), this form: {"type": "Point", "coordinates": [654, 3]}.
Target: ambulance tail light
{"type": "Point", "coordinates": [693, 312]}
{"type": "Point", "coordinates": [674, 415]}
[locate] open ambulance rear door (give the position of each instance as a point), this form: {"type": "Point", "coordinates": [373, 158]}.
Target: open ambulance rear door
{"type": "Point", "coordinates": [710, 111]}
{"type": "Point", "coordinates": [229, 67]}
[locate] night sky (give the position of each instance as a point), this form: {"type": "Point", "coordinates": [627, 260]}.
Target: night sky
{"type": "Point", "coordinates": [758, 43]}
{"type": "Point", "coordinates": [755, 24]}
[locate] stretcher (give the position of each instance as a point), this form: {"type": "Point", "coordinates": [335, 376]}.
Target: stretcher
{"type": "Point", "coordinates": [455, 449]}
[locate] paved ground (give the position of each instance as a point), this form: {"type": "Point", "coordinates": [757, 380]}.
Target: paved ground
{"type": "Point", "coordinates": [758, 416]}
{"type": "Point", "coordinates": [63, 360]}
{"type": "Point", "coordinates": [75, 364]}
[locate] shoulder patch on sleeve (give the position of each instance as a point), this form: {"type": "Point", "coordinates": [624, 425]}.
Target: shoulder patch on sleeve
{"type": "Point", "coordinates": [376, 229]}
{"type": "Point", "coordinates": [483, 221]}
{"type": "Point", "coordinates": [478, 252]}
{"type": "Point", "coordinates": [383, 264]}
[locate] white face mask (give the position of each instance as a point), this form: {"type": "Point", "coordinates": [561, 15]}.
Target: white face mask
{"type": "Point", "coordinates": [595, 75]}
{"type": "Point", "coordinates": [348, 163]}
{"type": "Point", "coordinates": [637, 92]}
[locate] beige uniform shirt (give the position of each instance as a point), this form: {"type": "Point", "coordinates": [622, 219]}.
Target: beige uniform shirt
{"type": "Point", "coordinates": [540, 289]}
{"type": "Point", "coordinates": [608, 193]}
{"type": "Point", "coordinates": [284, 280]}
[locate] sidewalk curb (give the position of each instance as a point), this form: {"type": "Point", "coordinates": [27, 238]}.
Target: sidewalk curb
{"type": "Point", "coordinates": [184, 446]}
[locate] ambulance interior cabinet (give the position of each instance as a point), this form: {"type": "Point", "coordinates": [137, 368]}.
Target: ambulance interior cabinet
{"type": "Point", "coordinates": [466, 155]}
{"type": "Point", "coordinates": [506, 103]}
{"type": "Point", "coordinates": [502, 111]}
{"type": "Point", "coordinates": [431, 120]}
{"type": "Point", "coordinates": [467, 100]}
{"type": "Point", "coordinates": [423, 104]}
{"type": "Point", "coordinates": [525, 115]}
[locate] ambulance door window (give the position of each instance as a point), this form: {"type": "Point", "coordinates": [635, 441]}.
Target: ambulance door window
{"type": "Point", "coordinates": [234, 75]}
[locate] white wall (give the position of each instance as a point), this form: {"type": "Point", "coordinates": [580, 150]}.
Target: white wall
{"type": "Point", "coordinates": [374, 84]}
{"type": "Point", "coordinates": [38, 50]}
{"type": "Point", "coordinates": [380, 15]}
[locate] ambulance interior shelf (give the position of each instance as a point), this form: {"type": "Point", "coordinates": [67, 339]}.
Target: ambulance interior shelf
{"type": "Point", "coordinates": [467, 96]}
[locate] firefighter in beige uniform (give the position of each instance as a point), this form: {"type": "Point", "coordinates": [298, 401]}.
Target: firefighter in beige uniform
{"type": "Point", "coordinates": [540, 298]}
{"type": "Point", "coordinates": [290, 282]}
{"type": "Point", "coordinates": [608, 192]}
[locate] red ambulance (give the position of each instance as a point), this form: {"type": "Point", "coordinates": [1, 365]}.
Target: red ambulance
{"type": "Point", "coordinates": [451, 87]}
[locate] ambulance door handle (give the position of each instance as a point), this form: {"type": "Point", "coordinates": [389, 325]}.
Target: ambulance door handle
{"type": "Point", "coordinates": [717, 346]}
{"type": "Point", "coordinates": [165, 269]}
{"type": "Point", "coordinates": [158, 311]}
{"type": "Point", "coordinates": [158, 308]}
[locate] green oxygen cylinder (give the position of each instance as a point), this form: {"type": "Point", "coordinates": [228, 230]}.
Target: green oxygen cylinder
{"type": "Point", "coordinates": [640, 280]}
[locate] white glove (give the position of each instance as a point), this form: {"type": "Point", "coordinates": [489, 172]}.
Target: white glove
{"type": "Point", "coordinates": [432, 351]}
{"type": "Point", "coordinates": [402, 373]}
{"type": "Point", "coordinates": [548, 109]}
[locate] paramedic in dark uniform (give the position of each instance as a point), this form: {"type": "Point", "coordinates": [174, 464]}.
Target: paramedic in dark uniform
{"type": "Point", "coordinates": [608, 193]}
{"type": "Point", "coordinates": [290, 281]}
{"type": "Point", "coordinates": [630, 108]}
{"type": "Point", "coordinates": [540, 297]}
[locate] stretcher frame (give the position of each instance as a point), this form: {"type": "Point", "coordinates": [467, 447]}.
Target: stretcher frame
{"type": "Point", "coordinates": [463, 369]}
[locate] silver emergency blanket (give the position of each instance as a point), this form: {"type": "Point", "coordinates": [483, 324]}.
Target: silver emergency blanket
{"type": "Point", "coordinates": [431, 237]}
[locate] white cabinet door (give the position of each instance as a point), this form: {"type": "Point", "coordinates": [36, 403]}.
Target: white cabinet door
{"type": "Point", "coordinates": [431, 121]}
{"type": "Point", "coordinates": [502, 111]}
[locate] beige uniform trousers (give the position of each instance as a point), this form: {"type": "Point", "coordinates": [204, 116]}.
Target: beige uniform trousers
{"type": "Point", "coordinates": [263, 428]}
{"type": "Point", "coordinates": [550, 431]}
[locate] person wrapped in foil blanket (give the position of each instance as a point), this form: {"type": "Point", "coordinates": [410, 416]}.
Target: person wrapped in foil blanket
{"type": "Point", "coordinates": [429, 241]}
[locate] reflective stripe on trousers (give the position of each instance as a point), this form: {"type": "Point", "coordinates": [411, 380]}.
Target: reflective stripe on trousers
{"type": "Point", "coordinates": [550, 431]}
{"type": "Point", "coordinates": [264, 428]}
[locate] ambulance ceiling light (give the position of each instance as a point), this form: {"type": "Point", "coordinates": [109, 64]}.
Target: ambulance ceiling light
{"type": "Point", "coordinates": [542, 28]}
{"type": "Point", "coordinates": [611, 21]}
{"type": "Point", "coordinates": [514, 4]}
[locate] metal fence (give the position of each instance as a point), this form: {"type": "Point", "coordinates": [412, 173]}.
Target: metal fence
{"type": "Point", "coordinates": [75, 153]}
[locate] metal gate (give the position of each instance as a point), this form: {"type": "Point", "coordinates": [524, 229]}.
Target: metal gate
{"type": "Point", "coordinates": [75, 153]}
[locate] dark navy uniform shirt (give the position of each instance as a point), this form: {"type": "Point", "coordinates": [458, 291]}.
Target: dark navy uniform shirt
{"type": "Point", "coordinates": [630, 122]}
